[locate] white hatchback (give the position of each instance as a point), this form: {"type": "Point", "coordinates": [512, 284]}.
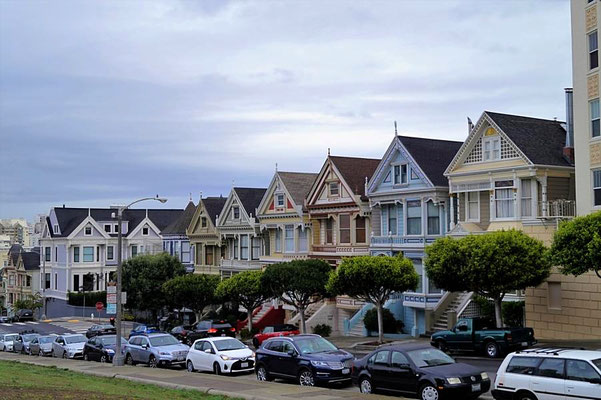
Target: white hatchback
{"type": "Point", "coordinates": [549, 374]}
{"type": "Point", "coordinates": [220, 355]}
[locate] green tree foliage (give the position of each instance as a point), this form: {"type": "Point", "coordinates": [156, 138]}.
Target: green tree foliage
{"type": "Point", "coordinates": [245, 289]}
{"type": "Point", "coordinates": [30, 302]}
{"type": "Point", "coordinates": [298, 283]}
{"type": "Point", "coordinates": [576, 245]}
{"type": "Point", "coordinates": [490, 265]}
{"type": "Point", "coordinates": [193, 291]}
{"type": "Point", "coordinates": [373, 279]}
{"type": "Point", "coordinates": [143, 279]}
{"type": "Point", "coordinates": [391, 325]}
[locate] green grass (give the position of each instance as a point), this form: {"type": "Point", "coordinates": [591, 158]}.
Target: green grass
{"type": "Point", "coordinates": [24, 381]}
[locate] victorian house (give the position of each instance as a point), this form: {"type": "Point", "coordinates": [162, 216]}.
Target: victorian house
{"type": "Point", "coordinates": [409, 198]}
{"type": "Point", "coordinates": [175, 240]}
{"type": "Point", "coordinates": [283, 218]}
{"type": "Point", "coordinates": [207, 247]}
{"type": "Point", "coordinates": [20, 277]}
{"type": "Point", "coordinates": [239, 227]}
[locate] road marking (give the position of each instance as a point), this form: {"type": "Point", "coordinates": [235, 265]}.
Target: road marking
{"type": "Point", "coordinates": [47, 320]}
{"type": "Point", "coordinates": [33, 322]}
{"type": "Point", "coordinates": [19, 323]}
{"type": "Point", "coordinates": [6, 324]}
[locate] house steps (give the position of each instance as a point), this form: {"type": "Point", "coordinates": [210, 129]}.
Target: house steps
{"type": "Point", "coordinates": [442, 322]}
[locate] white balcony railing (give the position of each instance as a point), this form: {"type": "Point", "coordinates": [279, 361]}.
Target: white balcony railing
{"type": "Point", "coordinates": [556, 209]}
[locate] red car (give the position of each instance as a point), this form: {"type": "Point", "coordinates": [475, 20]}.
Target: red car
{"type": "Point", "coordinates": [273, 331]}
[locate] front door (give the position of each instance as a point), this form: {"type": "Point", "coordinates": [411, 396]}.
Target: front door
{"type": "Point", "coordinates": [582, 381]}
{"type": "Point", "coordinates": [287, 363]}
{"type": "Point", "coordinates": [143, 353]}
{"type": "Point", "coordinates": [205, 360]}
{"type": "Point", "coordinates": [401, 377]}
{"type": "Point", "coordinates": [462, 339]}
{"type": "Point", "coordinates": [378, 366]}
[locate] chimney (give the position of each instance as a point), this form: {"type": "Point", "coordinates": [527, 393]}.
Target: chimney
{"type": "Point", "coordinates": [568, 150]}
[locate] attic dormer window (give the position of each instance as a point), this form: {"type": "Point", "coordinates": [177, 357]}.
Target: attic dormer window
{"type": "Point", "coordinates": [334, 189]}
{"type": "Point", "coordinates": [55, 229]}
{"type": "Point", "coordinates": [145, 231]}
{"type": "Point", "coordinates": [400, 174]}
{"type": "Point", "coordinates": [107, 228]}
{"type": "Point", "coordinates": [203, 222]}
{"type": "Point", "coordinates": [492, 148]}
{"type": "Point", "coordinates": [236, 212]}
{"type": "Point", "coordinates": [87, 231]}
{"type": "Point", "coordinates": [279, 200]}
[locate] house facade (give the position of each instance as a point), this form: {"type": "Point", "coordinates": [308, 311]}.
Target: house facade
{"type": "Point", "coordinates": [20, 278]}
{"type": "Point", "coordinates": [283, 218]}
{"type": "Point", "coordinates": [409, 199]}
{"type": "Point", "coordinates": [175, 240]}
{"type": "Point", "coordinates": [239, 227]}
{"type": "Point", "coordinates": [79, 248]}
{"type": "Point", "coordinates": [205, 241]}
{"type": "Point", "coordinates": [514, 172]}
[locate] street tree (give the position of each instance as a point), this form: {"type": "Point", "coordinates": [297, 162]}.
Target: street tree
{"type": "Point", "coordinates": [29, 302]}
{"type": "Point", "coordinates": [245, 289]}
{"type": "Point", "coordinates": [193, 291]}
{"type": "Point", "coordinates": [576, 247]}
{"type": "Point", "coordinates": [373, 279]}
{"type": "Point", "coordinates": [143, 279]}
{"type": "Point", "coordinates": [490, 265]}
{"type": "Point", "coordinates": [298, 283]}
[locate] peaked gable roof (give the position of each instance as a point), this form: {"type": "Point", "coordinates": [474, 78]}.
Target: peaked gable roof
{"type": "Point", "coordinates": [250, 198]}
{"type": "Point", "coordinates": [354, 170]}
{"type": "Point", "coordinates": [298, 184]}
{"type": "Point", "coordinates": [213, 206]}
{"type": "Point", "coordinates": [541, 140]}
{"type": "Point", "coordinates": [179, 225]}
{"type": "Point", "coordinates": [431, 155]}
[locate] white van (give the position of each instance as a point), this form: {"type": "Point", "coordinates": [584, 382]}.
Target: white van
{"type": "Point", "coordinates": [549, 374]}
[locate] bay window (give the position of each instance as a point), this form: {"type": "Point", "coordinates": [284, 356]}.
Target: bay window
{"type": "Point", "coordinates": [302, 240]}
{"type": "Point", "coordinates": [329, 231]}
{"type": "Point", "coordinates": [110, 253]}
{"type": "Point", "coordinates": [473, 206]}
{"type": "Point", "coordinates": [256, 248]}
{"type": "Point", "coordinates": [392, 221]}
{"type": "Point", "coordinates": [345, 228]}
{"type": "Point", "coordinates": [289, 239]}
{"type": "Point", "coordinates": [433, 218]}
{"type": "Point", "coordinates": [278, 240]}
{"type": "Point", "coordinates": [504, 199]}
{"type": "Point", "coordinates": [88, 254]}
{"type": "Point", "coordinates": [360, 230]}
{"type": "Point", "coordinates": [597, 187]}
{"type": "Point", "coordinates": [76, 254]}
{"type": "Point", "coordinates": [47, 251]}
{"type": "Point", "coordinates": [595, 118]}
{"type": "Point", "coordinates": [244, 247]}
{"type": "Point", "coordinates": [414, 217]}
{"type": "Point", "coordinates": [526, 198]}
{"type": "Point", "coordinates": [134, 251]}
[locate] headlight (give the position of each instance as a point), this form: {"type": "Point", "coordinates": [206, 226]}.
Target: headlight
{"type": "Point", "coordinates": [484, 375]}
{"type": "Point", "coordinates": [110, 351]}
{"type": "Point", "coordinates": [224, 357]}
{"type": "Point", "coordinates": [163, 353]}
{"type": "Point", "coordinates": [254, 355]}
{"type": "Point", "coordinates": [320, 364]}
{"type": "Point", "coordinates": [454, 381]}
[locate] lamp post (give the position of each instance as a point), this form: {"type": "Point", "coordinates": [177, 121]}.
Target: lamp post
{"type": "Point", "coordinates": [118, 358]}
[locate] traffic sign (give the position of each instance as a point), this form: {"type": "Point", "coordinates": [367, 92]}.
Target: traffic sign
{"type": "Point", "coordinates": [99, 306]}
{"type": "Point", "coordinates": [111, 298]}
{"type": "Point", "coordinates": [111, 289]}
{"type": "Point", "coordinates": [111, 308]}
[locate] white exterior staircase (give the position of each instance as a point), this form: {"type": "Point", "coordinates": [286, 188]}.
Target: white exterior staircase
{"type": "Point", "coordinates": [441, 323]}
{"type": "Point", "coordinates": [309, 311]}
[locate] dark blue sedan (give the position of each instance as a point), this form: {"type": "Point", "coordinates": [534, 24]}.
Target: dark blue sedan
{"type": "Point", "coordinates": [143, 330]}
{"type": "Point", "coordinates": [308, 359]}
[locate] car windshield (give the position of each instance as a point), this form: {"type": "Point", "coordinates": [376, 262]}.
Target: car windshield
{"type": "Point", "coordinates": [314, 345]}
{"type": "Point", "coordinates": [105, 327]}
{"type": "Point", "coordinates": [10, 338]}
{"type": "Point", "coordinates": [597, 363]}
{"type": "Point", "coordinates": [30, 337]}
{"type": "Point", "coordinates": [47, 339]}
{"type": "Point", "coordinates": [429, 357]}
{"type": "Point", "coordinates": [110, 340]}
{"type": "Point", "coordinates": [163, 341]}
{"type": "Point", "coordinates": [75, 339]}
{"type": "Point", "coordinates": [229, 344]}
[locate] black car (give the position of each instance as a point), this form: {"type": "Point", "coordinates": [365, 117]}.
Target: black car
{"type": "Point", "coordinates": [209, 328]}
{"type": "Point", "coordinates": [181, 332]}
{"type": "Point", "coordinates": [23, 315]}
{"type": "Point", "coordinates": [96, 330]}
{"type": "Point", "coordinates": [308, 359]}
{"type": "Point", "coordinates": [101, 348]}
{"type": "Point", "coordinates": [418, 368]}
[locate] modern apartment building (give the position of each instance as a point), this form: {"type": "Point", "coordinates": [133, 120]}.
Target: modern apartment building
{"type": "Point", "coordinates": [17, 229]}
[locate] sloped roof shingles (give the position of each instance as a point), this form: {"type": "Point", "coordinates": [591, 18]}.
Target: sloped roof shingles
{"type": "Point", "coordinates": [298, 184]}
{"type": "Point", "coordinates": [250, 198]}
{"type": "Point", "coordinates": [432, 155]}
{"type": "Point", "coordinates": [354, 170]}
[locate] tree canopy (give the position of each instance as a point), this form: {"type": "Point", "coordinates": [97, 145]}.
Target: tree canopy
{"type": "Point", "coordinates": [193, 291]}
{"type": "Point", "coordinates": [373, 279]}
{"type": "Point", "coordinates": [576, 247]}
{"type": "Point", "coordinates": [245, 288]}
{"type": "Point", "coordinates": [298, 283]}
{"type": "Point", "coordinates": [490, 265]}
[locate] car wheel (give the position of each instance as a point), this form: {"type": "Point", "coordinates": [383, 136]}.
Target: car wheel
{"type": "Point", "coordinates": [40, 353]}
{"type": "Point", "coordinates": [86, 357]}
{"type": "Point", "coordinates": [189, 342]}
{"type": "Point", "coordinates": [492, 350]}
{"type": "Point", "coordinates": [129, 360]}
{"type": "Point", "coordinates": [190, 366]}
{"type": "Point", "coordinates": [216, 369]}
{"type": "Point", "coordinates": [442, 346]}
{"type": "Point", "coordinates": [263, 375]}
{"type": "Point", "coordinates": [525, 396]}
{"type": "Point", "coordinates": [305, 378]}
{"type": "Point", "coordinates": [428, 392]}
{"type": "Point", "coordinates": [152, 362]}
{"type": "Point", "coordinates": [365, 385]}
{"type": "Point", "coordinates": [103, 358]}
{"type": "Point", "coordinates": [64, 354]}
{"type": "Point", "coordinates": [256, 343]}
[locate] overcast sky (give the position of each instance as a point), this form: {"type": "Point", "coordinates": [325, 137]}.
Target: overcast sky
{"type": "Point", "coordinates": [103, 102]}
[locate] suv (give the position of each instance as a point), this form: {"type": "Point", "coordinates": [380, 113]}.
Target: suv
{"type": "Point", "coordinates": [552, 373]}
{"type": "Point", "coordinates": [209, 328]}
{"type": "Point", "coordinates": [308, 359]}
{"type": "Point", "coordinates": [156, 349]}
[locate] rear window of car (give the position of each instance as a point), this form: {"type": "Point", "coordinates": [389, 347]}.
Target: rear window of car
{"type": "Point", "coordinates": [220, 326]}
{"type": "Point", "coordinates": [597, 363]}
{"type": "Point", "coordinates": [523, 365]}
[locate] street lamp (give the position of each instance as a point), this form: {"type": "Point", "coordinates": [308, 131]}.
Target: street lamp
{"type": "Point", "coordinates": [118, 358]}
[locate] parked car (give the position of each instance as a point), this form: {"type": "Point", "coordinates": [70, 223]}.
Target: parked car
{"type": "Point", "coordinates": [210, 328]}
{"type": "Point", "coordinates": [68, 346]}
{"type": "Point", "coordinates": [479, 335]}
{"type": "Point", "coordinates": [100, 329]}
{"type": "Point", "coordinates": [23, 315]}
{"type": "Point", "coordinates": [181, 332]}
{"type": "Point", "coordinates": [155, 349]}
{"type": "Point", "coordinates": [418, 369]}
{"type": "Point", "coordinates": [220, 355]}
{"type": "Point", "coordinates": [5, 320]}
{"type": "Point", "coordinates": [308, 359]}
{"type": "Point", "coordinates": [101, 348]}
{"type": "Point", "coordinates": [549, 374]}
{"type": "Point", "coordinates": [7, 341]}
{"type": "Point", "coordinates": [143, 330]}
{"type": "Point", "coordinates": [42, 345]}
{"type": "Point", "coordinates": [21, 345]}
{"type": "Point", "coordinates": [274, 331]}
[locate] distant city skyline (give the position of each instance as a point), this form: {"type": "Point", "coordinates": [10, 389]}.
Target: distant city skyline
{"type": "Point", "coordinates": [105, 102]}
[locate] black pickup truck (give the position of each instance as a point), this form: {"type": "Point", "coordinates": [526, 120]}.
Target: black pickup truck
{"type": "Point", "coordinates": [480, 335]}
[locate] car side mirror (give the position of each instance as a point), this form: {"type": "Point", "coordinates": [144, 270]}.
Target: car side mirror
{"type": "Point", "coordinates": [462, 327]}
{"type": "Point", "coordinates": [209, 351]}
{"type": "Point", "coordinates": [145, 346]}
{"type": "Point", "coordinates": [292, 353]}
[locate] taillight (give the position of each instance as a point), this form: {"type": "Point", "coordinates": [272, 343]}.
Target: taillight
{"type": "Point", "coordinates": [509, 337]}
{"type": "Point", "coordinates": [232, 329]}
{"type": "Point", "coordinates": [184, 333]}
{"type": "Point", "coordinates": [212, 330]}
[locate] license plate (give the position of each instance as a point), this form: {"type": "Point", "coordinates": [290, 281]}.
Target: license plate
{"type": "Point", "coordinates": [524, 344]}
{"type": "Point", "coordinates": [223, 334]}
{"type": "Point", "coordinates": [346, 371]}
{"type": "Point", "coordinates": [243, 365]}
{"type": "Point", "coordinates": [476, 387]}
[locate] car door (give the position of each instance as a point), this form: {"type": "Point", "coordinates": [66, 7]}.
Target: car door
{"type": "Point", "coordinates": [462, 339]}
{"type": "Point", "coordinates": [288, 359]}
{"type": "Point", "coordinates": [56, 346]}
{"type": "Point", "coordinates": [271, 360]}
{"type": "Point", "coordinates": [144, 350]}
{"type": "Point", "coordinates": [206, 359]}
{"type": "Point", "coordinates": [548, 380]}
{"type": "Point", "coordinates": [582, 381]}
{"type": "Point", "coordinates": [194, 354]}
{"type": "Point", "coordinates": [33, 346]}
{"type": "Point", "coordinates": [401, 376]}
{"type": "Point", "coordinates": [378, 366]}
{"type": "Point", "coordinates": [134, 348]}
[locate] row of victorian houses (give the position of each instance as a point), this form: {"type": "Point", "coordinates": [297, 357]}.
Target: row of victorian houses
{"type": "Point", "coordinates": [510, 172]}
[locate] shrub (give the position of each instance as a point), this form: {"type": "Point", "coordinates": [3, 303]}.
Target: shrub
{"type": "Point", "coordinates": [76, 298]}
{"type": "Point", "coordinates": [391, 325]}
{"type": "Point", "coordinates": [245, 334]}
{"type": "Point", "coordinates": [322, 330]}
{"type": "Point", "coordinates": [513, 311]}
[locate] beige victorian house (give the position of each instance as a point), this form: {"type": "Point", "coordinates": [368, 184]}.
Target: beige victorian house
{"type": "Point", "coordinates": [21, 277]}
{"type": "Point", "coordinates": [205, 242]}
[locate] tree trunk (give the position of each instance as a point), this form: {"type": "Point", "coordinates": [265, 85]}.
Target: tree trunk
{"type": "Point", "coordinates": [499, 311]}
{"type": "Point", "coordinates": [250, 318]}
{"type": "Point", "coordinates": [198, 314]}
{"type": "Point", "coordinates": [380, 323]}
{"type": "Point", "coordinates": [301, 310]}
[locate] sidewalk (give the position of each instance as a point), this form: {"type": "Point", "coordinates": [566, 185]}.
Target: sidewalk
{"type": "Point", "coordinates": [246, 387]}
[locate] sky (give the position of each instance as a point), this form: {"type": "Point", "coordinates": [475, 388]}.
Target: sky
{"type": "Point", "coordinates": [104, 102]}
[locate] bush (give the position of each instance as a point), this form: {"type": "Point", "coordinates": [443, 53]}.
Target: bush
{"type": "Point", "coordinates": [76, 298]}
{"type": "Point", "coordinates": [391, 325]}
{"type": "Point", "coordinates": [513, 311]}
{"type": "Point", "coordinates": [322, 330]}
{"type": "Point", "coordinates": [245, 334]}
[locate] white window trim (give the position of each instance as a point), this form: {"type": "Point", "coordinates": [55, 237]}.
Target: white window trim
{"type": "Point", "coordinates": [276, 200]}
{"type": "Point", "coordinates": [493, 206]}
{"type": "Point", "coordinates": [533, 199]}
{"type": "Point", "coordinates": [467, 207]}
{"type": "Point", "coordinates": [147, 230]}
{"type": "Point", "coordinates": [406, 216]}
{"type": "Point", "coordinates": [293, 239]}
{"type": "Point", "coordinates": [407, 174]}
{"type": "Point", "coordinates": [104, 227]}
{"type": "Point", "coordinates": [234, 214]}
{"type": "Point", "coordinates": [491, 139]}
{"type": "Point", "coordinates": [107, 253]}
{"type": "Point", "coordinates": [591, 119]}
{"type": "Point", "coordinates": [55, 228]}
{"type": "Point", "coordinates": [115, 228]}
{"type": "Point", "coordinates": [85, 229]}
{"type": "Point", "coordinates": [598, 207]}
{"type": "Point", "coordinates": [589, 51]}
{"type": "Point", "coordinates": [330, 189]}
